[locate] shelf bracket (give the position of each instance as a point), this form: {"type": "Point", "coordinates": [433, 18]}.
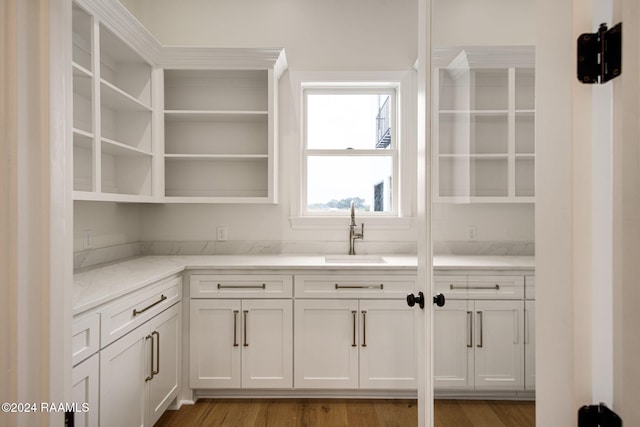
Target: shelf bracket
{"type": "Point", "coordinates": [600, 55]}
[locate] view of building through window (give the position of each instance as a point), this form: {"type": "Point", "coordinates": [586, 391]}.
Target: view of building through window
{"type": "Point", "coordinates": [350, 151]}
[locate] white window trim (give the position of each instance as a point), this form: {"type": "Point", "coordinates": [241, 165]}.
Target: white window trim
{"type": "Point", "coordinates": [405, 188]}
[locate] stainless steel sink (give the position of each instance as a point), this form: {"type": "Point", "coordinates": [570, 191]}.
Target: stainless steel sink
{"type": "Point", "coordinates": [369, 259]}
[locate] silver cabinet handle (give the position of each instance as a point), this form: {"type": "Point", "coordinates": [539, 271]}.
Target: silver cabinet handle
{"type": "Point", "coordinates": [478, 287]}
{"type": "Point", "coordinates": [235, 328]}
{"type": "Point", "coordinates": [353, 312]}
{"type": "Point", "coordinates": [157, 370]}
{"type": "Point", "coordinates": [527, 323]}
{"type": "Point", "coordinates": [221, 286]}
{"type": "Point", "coordinates": [480, 328]}
{"type": "Point", "coordinates": [150, 377]}
{"type": "Point", "coordinates": [380, 286]}
{"type": "Point", "coordinates": [516, 331]}
{"type": "Point", "coordinates": [364, 328]}
{"type": "Point", "coordinates": [136, 312]}
{"type": "Point", "coordinates": [245, 313]}
{"type": "Point", "coordinates": [470, 329]}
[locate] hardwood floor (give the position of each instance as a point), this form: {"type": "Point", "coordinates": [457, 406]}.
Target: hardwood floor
{"type": "Point", "coordinates": [347, 412]}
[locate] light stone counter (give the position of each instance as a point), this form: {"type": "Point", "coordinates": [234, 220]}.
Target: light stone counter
{"type": "Point", "coordinates": [99, 285]}
{"type": "Point", "coordinates": [462, 262]}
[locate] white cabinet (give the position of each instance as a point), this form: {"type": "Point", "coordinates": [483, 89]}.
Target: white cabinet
{"type": "Point", "coordinates": [480, 334]}
{"type": "Point", "coordinates": [85, 391]}
{"type": "Point", "coordinates": [140, 372]}
{"type": "Point", "coordinates": [484, 124]}
{"type": "Point", "coordinates": [350, 344]}
{"type": "Point", "coordinates": [241, 343]}
{"type": "Point", "coordinates": [113, 145]}
{"type": "Point", "coordinates": [220, 128]}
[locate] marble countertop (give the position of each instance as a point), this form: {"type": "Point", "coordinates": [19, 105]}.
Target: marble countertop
{"type": "Point", "coordinates": [99, 285]}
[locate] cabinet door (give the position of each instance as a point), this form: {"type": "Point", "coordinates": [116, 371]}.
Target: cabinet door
{"type": "Point", "coordinates": [326, 344]}
{"type": "Point", "coordinates": [214, 333]}
{"type": "Point", "coordinates": [124, 367]}
{"type": "Point", "coordinates": [453, 346]}
{"type": "Point", "coordinates": [163, 388]}
{"type": "Point", "coordinates": [267, 344]}
{"type": "Point", "coordinates": [499, 345]}
{"type": "Point", "coordinates": [86, 391]}
{"type": "Point", "coordinates": [387, 344]}
{"type": "Point", "coordinates": [530, 345]}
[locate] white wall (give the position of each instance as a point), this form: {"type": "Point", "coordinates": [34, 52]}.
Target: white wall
{"type": "Point", "coordinates": [109, 223]}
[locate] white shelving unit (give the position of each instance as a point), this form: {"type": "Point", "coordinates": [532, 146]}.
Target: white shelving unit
{"type": "Point", "coordinates": [220, 139]}
{"type": "Point", "coordinates": [484, 125]}
{"type": "Point", "coordinates": [169, 124]}
{"type": "Point", "coordinates": [112, 134]}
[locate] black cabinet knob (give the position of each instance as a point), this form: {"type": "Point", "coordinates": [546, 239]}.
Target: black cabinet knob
{"type": "Point", "coordinates": [413, 300]}
{"type": "Point", "coordinates": [439, 300]}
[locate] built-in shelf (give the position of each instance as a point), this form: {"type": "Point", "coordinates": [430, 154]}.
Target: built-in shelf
{"type": "Point", "coordinates": [113, 148]}
{"type": "Point", "coordinates": [484, 125]}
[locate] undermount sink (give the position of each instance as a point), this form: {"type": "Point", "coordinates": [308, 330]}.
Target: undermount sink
{"type": "Point", "coordinates": [373, 259]}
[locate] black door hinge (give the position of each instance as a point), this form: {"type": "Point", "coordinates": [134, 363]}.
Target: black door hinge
{"type": "Point", "coordinates": [598, 416]}
{"type": "Point", "coordinates": [600, 55]}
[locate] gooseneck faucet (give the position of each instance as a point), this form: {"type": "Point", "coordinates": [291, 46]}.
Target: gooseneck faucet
{"type": "Point", "coordinates": [353, 235]}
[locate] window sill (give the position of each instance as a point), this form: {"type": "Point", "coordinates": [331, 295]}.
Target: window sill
{"type": "Point", "coordinates": [336, 223]}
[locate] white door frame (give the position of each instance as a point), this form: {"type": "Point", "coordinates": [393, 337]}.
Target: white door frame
{"type": "Point", "coordinates": [425, 258]}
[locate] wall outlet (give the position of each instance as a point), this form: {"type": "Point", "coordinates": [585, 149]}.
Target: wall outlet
{"type": "Point", "coordinates": [87, 239]}
{"type": "Point", "coordinates": [472, 233]}
{"type": "Point", "coordinates": [221, 234]}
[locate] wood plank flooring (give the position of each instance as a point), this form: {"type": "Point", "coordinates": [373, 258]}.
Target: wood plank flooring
{"type": "Point", "coordinates": [347, 413]}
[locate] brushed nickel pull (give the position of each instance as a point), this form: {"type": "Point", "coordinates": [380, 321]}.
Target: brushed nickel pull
{"type": "Point", "coordinates": [157, 370]}
{"type": "Point", "coordinates": [245, 313]}
{"type": "Point", "coordinates": [353, 312]}
{"type": "Point", "coordinates": [470, 329]}
{"type": "Point", "coordinates": [150, 377]}
{"type": "Point", "coordinates": [478, 287]}
{"type": "Point", "coordinates": [480, 328]}
{"type": "Point", "coordinates": [235, 328]}
{"type": "Point", "coordinates": [221, 286]}
{"type": "Point", "coordinates": [380, 286]}
{"type": "Point", "coordinates": [364, 328]}
{"type": "Point", "coordinates": [527, 322]}
{"type": "Point", "coordinates": [136, 312]}
{"type": "Point", "coordinates": [516, 331]}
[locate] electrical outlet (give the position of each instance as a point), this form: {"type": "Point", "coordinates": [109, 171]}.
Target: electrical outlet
{"type": "Point", "coordinates": [221, 234]}
{"type": "Point", "coordinates": [87, 237]}
{"type": "Point", "coordinates": [472, 233]}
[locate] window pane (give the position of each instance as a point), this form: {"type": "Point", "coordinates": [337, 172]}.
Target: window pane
{"type": "Point", "coordinates": [341, 121]}
{"type": "Point", "coordinates": [333, 181]}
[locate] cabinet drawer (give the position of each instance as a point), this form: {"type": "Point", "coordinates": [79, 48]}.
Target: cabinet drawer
{"type": "Point", "coordinates": [130, 311]}
{"type": "Point", "coordinates": [85, 337]}
{"type": "Point", "coordinates": [480, 287]}
{"type": "Point", "coordinates": [352, 286]}
{"type": "Point", "coordinates": [240, 286]}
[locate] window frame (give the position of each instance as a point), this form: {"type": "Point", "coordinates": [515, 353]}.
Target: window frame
{"type": "Point", "coordinates": [405, 82]}
{"type": "Point", "coordinates": [392, 152]}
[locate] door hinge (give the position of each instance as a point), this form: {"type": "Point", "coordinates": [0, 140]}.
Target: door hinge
{"type": "Point", "coordinates": [598, 416]}
{"type": "Point", "coordinates": [600, 55]}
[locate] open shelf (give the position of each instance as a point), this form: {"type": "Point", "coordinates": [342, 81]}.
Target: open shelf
{"type": "Point", "coordinates": [485, 126]}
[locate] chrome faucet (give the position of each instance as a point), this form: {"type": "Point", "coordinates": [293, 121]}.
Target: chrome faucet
{"type": "Point", "coordinates": [353, 235]}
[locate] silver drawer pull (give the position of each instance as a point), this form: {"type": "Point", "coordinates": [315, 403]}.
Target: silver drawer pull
{"type": "Point", "coordinates": [480, 287]}
{"type": "Point", "coordinates": [136, 312]}
{"type": "Point", "coordinates": [380, 286]}
{"type": "Point", "coordinates": [221, 286]}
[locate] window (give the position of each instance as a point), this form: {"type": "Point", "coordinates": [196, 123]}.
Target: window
{"type": "Point", "coordinates": [350, 150]}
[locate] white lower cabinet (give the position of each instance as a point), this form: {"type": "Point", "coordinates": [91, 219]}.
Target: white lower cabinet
{"type": "Point", "coordinates": [241, 343]}
{"type": "Point", "coordinates": [479, 345]}
{"type": "Point", "coordinates": [85, 391]}
{"type": "Point", "coordinates": [350, 344]}
{"type": "Point", "coordinates": [139, 372]}
{"type": "Point", "coordinates": [529, 345]}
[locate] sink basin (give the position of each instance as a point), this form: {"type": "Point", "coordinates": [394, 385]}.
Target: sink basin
{"type": "Point", "coordinates": [372, 259]}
